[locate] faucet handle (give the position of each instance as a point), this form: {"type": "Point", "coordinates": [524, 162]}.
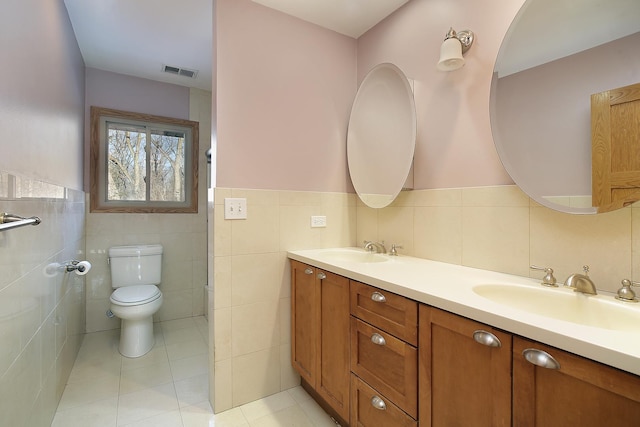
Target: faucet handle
{"type": "Point", "coordinates": [393, 251]}
{"type": "Point", "coordinates": [548, 279]}
{"type": "Point", "coordinates": [625, 293]}
{"type": "Point", "coordinates": [585, 268]}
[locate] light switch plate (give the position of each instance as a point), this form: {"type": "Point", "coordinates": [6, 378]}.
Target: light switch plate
{"type": "Point", "coordinates": [318, 221]}
{"type": "Point", "coordinates": [235, 208]}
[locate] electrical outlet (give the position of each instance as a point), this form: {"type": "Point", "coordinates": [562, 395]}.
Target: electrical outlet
{"type": "Point", "coordinates": [235, 208]}
{"type": "Point", "coordinates": [318, 221]}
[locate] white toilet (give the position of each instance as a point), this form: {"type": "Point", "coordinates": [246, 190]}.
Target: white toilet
{"type": "Point", "coordinates": [135, 276]}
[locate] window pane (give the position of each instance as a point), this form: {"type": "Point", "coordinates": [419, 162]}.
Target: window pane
{"type": "Point", "coordinates": [167, 166]}
{"type": "Point", "coordinates": [126, 167]}
{"type": "Point", "coordinates": [143, 163]}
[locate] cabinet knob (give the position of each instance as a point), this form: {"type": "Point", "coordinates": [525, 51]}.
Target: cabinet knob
{"type": "Point", "coordinates": [378, 297]}
{"type": "Point", "coordinates": [378, 403]}
{"type": "Point", "coordinates": [322, 276]}
{"type": "Point", "coordinates": [378, 339]}
{"type": "Point", "coordinates": [308, 271]}
{"type": "Point", "coordinates": [486, 338]}
{"type": "Point", "coordinates": [540, 358]}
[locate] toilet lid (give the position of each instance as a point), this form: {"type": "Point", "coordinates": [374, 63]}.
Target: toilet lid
{"type": "Point", "coordinates": [135, 294]}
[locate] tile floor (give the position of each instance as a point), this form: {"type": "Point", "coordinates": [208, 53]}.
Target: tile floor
{"type": "Point", "coordinates": [167, 387]}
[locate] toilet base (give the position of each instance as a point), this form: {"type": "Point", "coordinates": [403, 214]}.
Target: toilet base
{"type": "Point", "coordinates": [136, 329]}
{"type": "Point", "coordinates": [136, 337]}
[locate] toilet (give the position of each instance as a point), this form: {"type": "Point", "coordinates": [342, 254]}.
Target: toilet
{"type": "Point", "coordinates": [135, 276]}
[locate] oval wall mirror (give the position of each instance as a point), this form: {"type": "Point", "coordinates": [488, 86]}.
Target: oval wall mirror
{"type": "Point", "coordinates": [381, 136]}
{"type": "Point", "coordinates": [555, 55]}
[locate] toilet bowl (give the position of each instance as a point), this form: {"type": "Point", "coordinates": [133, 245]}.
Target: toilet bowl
{"type": "Point", "coordinates": [135, 276]}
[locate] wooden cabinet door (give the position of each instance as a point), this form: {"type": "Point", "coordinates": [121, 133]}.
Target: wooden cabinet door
{"type": "Point", "coordinates": [332, 382]}
{"type": "Point", "coordinates": [462, 382]}
{"type": "Point", "coordinates": [580, 392]}
{"type": "Point", "coordinates": [304, 321]}
{"type": "Point", "coordinates": [615, 147]}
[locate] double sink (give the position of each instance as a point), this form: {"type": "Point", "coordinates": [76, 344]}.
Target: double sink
{"type": "Point", "coordinates": [597, 311]}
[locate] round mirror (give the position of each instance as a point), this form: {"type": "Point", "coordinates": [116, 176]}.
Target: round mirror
{"type": "Point", "coordinates": [381, 136]}
{"type": "Point", "coordinates": [555, 55]}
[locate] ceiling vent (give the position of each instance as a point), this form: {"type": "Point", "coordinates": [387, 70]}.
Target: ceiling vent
{"type": "Point", "coordinates": [180, 71]}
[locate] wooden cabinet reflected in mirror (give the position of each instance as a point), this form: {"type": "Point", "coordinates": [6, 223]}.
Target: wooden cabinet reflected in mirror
{"type": "Point", "coordinates": [615, 147]}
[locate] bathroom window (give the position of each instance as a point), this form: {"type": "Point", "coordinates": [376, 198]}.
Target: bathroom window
{"type": "Point", "coordinates": [143, 163]}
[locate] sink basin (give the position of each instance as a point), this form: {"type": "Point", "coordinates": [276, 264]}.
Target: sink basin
{"type": "Point", "coordinates": [564, 304]}
{"type": "Point", "coordinates": [354, 255]}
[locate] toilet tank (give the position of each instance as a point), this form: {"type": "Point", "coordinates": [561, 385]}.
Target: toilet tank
{"type": "Point", "coordinates": [135, 265]}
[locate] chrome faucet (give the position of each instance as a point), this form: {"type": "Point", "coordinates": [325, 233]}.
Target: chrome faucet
{"type": "Point", "coordinates": [394, 249]}
{"type": "Point", "coordinates": [581, 282]}
{"type": "Point", "coordinates": [548, 279]}
{"type": "Point", "coordinates": [625, 293]}
{"type": "Point", "coordinates": [375, 247]}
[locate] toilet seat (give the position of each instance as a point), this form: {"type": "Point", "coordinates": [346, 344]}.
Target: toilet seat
{"type": "Point", "coordinates": [135, 295]}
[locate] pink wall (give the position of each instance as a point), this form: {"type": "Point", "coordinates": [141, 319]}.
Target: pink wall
{"type": "Point", "coordinates": [285, 89]}
{"type": "Point", "coordinates": [284, 93]}
{"type": "Point", "coordinates": [121, 92]}
{"type": "Point", "coordinates": [454, 146]}
{"type": "Point", "coordinates": [41, 93]}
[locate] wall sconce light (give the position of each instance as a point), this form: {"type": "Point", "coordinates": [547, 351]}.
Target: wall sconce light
{"type": "Point", "coordinates": [453, 46]}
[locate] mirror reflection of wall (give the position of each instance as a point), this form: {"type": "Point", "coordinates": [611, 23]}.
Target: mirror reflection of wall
{"type": "Point", "coordinates": [541, 106]}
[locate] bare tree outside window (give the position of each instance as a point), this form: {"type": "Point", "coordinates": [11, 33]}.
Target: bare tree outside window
{"type": "Point", "coordinates": [167, 166]}
{"type": "Point", "coordinates": [127, 163]}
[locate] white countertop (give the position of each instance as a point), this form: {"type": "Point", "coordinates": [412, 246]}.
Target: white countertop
{"type": "Point", "coordinates": [450, 287]}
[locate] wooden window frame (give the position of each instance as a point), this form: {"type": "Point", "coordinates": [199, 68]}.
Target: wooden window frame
{"type": "Point", "coordinates": [97, 162]}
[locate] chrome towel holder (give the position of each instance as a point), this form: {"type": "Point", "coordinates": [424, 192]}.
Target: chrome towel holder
{"type": "Point", "coordinates": [8, 221]}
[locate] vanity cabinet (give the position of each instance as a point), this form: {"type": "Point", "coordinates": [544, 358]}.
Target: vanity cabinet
{"type": "Point", "coordinates": [384, 358]}
{"type": "Point", "coordinates": [320, 334]}
{"type": "Point", "coordinates": [374, 358]}
{"type": "Point", "coordinates": [569, 390]}
{"type": "Point", "coordinates": [465, 371]}
{"type": "Point", "coordinates": [467, 378]}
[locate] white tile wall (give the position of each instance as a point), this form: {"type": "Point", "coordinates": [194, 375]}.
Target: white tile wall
{"type": "Point", "coordinates": [251, 302]}
{"type": "Point", "coordinates": [501, 229]}
{"type": "Point", "coordinates": [183, 237]}
{"type": "Point", "coordinates": [41, 315]}
{"type": "Point", "coordinates": [493, 228]}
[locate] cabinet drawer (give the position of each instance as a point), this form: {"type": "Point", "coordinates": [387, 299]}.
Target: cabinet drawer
{"type": "Point", "coordinates": [386, 363]}
{"type": "Point", "coordinates": [369, 408]}
{"type": "Point", "coordinates": [392, 313]}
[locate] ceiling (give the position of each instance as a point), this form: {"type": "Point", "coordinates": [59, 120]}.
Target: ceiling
{"type": "Point", "coordinates": [546, 30]}
{"type": "Point", "coordinates": [141, 37]}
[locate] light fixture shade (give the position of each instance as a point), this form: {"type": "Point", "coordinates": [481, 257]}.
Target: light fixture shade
{"type": "Point", "coordinates": [450, 55]}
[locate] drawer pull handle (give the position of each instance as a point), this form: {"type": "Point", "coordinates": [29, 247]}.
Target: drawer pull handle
{"type": "Point", "coordinates": [322, 276]}
{"type": "Point", "coordinates": [308, 271]}
{"type": "Point", "coordinates": [540, 358]}
{"type": "Point", "coordinates": [378, 339]}
{"type": "Point", "coordinates": [378, 403]}
{"type": "Point", "coordinates": [486, 338]}
{"type": "Point", "coordinates": [378, 297]}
